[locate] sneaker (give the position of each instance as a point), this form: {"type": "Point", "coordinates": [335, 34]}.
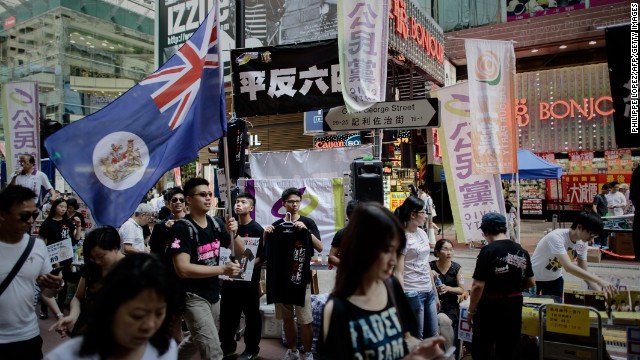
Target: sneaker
{"type": "Point", "coordinates": [307, 356]}
{"type": "Point", "coordinates": [44, 315]}
{"type": "Point", "coordinates": [248, 356]}
{"type": "Point", "coordinates": [291, 355]}
{"type": "Point", "coordinates": [230, 355]}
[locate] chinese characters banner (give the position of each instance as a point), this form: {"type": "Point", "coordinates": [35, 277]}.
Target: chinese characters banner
{"type": "Point", "coordinates": [492, 68]}
{"type": "Point", "coordinates": [21, 122]}
{"type": "Point", "coordinates": [581, 189]}
{"type": "Point", "coordinates": [472, 195]}
{"type": "Point", "coordinates": [362, 40]}
{"type": "Point", "coordinates": [286, 79]}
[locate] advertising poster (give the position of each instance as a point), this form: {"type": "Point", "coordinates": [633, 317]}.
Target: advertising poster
{"type": "Point", "coordinates": [518, 9]}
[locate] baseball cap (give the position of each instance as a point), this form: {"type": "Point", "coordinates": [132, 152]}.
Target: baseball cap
{"type": "Point", "coordinates": [492, 220]}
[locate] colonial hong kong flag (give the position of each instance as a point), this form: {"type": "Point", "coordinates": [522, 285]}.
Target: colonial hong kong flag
{"type": "Point", "coordinates": [114, 156]}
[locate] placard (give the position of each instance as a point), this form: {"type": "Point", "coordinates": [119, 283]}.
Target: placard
{"type": "Point", "coordinates": [530, 321]}
{"type": "Point", "coordinates": [568, 320]}
{"type": "Point", "coordinates": [247, 261]}
{"type": "Point", "coordinates": [60, 251]}
{"type": "Point", "coordinates": [465, 331]}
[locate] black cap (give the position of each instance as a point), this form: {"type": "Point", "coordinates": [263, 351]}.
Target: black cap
{"type": "Point", "coordinates": [493, 220]}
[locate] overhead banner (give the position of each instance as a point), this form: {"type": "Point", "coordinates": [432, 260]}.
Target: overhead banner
{"type": "Point", "coordinates": [491, 66]}
{"type": "Point", "coordinates": [286, 79]}
{"type": "Point", "coordinates": [472, 195]}
{"type": "Point", "coordinates": [624, 87]}
{"type": "Point", "coordinates": [363, 39]}
{"type": "Point", "coordinates": [21, 122]}
{"type": "Point", "coordinates": [322, 201]}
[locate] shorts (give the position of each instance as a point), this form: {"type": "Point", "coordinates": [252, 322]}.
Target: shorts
{"type": "Point", "coordinates": [303, 313]}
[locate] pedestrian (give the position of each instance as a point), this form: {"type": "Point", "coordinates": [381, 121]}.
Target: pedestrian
{"type": "Point", "coordinates": [334, 253]}
{"type": "Point", "coordinates": [102, 252]}
{"type": "Point", "coordinates": [30, 177]}
{"type": "Point", "coordinates": [367, 315]}
{"type": "Point", "coordinates": [552, 257]}
{"type": "Point", "coordinates": [72, 213]}
{"type": "Point", "coordinates": [240, 297]}
{"type": "Point", "coordinates": [452, 278]}
{"type": "Point", "coordinates": [290, 245]}
{"type": "Point", "coordinates": [195, 250]}
{"type": "Point", "coordinates": [131, 318]}
{"type": "Point", "coordinates": [616, 202]}
{"type": "Point", "coordinates": [600, 207]}
{"type": "Point", "coordinates": [624, 190]}
{"type": "Point", "coordinates": [131, 232]}
{"type": "Point", "coordinates": [503, 270]}
{"type": "Point", "coordinates": [56, 228]}
{"type": "Point", "coordinates": [161, 235]}
{"type": "Point", "coordinates": [19, 330]}
{"type": "Point", "coordinates": [413, 270]}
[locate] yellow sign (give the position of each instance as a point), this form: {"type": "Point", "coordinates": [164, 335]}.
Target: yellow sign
{"type": "Point", "coordinates": [396, 198]}
{"type": "Point", "coordinates": [530, 321]}
{"type": "Point", "coordinates": [568, 320]}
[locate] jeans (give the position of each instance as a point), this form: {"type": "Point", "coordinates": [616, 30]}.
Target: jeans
{"type": "Point", "coordinates": [200, 316]}
{"type": "Point", "coordinates": [423, 305]}
{"type": "Point", "coordinates": [553, 287]}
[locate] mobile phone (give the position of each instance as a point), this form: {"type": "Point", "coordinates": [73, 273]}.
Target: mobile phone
{"type": "Point", "coordinates": [447, 354]}
{"type": "Point", "coordinates": [56, 271]}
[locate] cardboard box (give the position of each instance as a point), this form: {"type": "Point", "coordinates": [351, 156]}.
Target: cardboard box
{"type": "Point", "coordinates": [271, 327]}
{"type": "Point", "coordinates": [594, 255]}
{"type": "Point", "coordinates": [621, 244]}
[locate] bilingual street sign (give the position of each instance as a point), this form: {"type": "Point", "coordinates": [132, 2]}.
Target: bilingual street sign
{"type": "Point", "coordinates": [410, 114]}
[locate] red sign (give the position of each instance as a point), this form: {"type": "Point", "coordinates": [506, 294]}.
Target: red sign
{"type": "Point", "coordinates": [9, 22]}
{"type": "Point", "coordinates": [623, 154]}
{"type": "Point", "coordinates": [418, 33]}
{"type": "Point", "coordinates": [581, 189]}
{"type": "Point", "coordinates": [562, 109]}
{"type": "Point", "coordinates": [580, 155]}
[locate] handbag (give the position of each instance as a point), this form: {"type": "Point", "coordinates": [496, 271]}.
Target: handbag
{"type": "Point", "coordinates": [18, 265]}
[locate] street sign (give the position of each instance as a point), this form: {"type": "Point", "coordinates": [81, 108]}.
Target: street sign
{"type": "Point", "coordinates": [411, 114]}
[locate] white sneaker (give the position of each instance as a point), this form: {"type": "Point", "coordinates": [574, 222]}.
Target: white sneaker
{"type": "Point", "coordinates": [291, 355]}
{"type": "Point", "coordinates": [307, 356]}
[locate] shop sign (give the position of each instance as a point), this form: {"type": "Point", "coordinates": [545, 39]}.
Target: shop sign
{"type": "Point", "coordinates": [411, 114]}
{"type": "Point", "coordinates": [588, 108]}
{"type": "Point", "coordinates": [416, 36]}
{"type": "Point", "coordinates": [581, 189]}
{"type": "Point", "coordinates": [9, 22]}
{"type": "Point", "coordinates": [326, 143]}
{"type": "Point", "coordinates": [580, 155]}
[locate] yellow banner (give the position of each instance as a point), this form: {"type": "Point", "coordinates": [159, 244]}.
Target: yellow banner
{"type": "Point", "coordinates": [396, 198]}
{"type": "Point", "coordinates": [530, 321]}
{"type": "Point", "coordinates": [568, 320]}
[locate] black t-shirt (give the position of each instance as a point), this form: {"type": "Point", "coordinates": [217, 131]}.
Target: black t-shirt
{"type": "Point", "coordinates": [503, 265]}
{"type": "Point", "coordinates": [600, 201]}
{"type": "Point", "coordinates": [83, 223]}
{"type": "Point", "coordinates": [356, 333]}
{"type": "Point", "coordinates": [206, 251]}
{"type": "Point", "coordinates": [337, 238]}
{"type": "Point", "coordinates": [253, 230]}
{"type": "Point", "coordinates": [448, 302]}
{"type": "Point", "coordinates": [289, 252]}
{"type": "Point", "coordinates": [54, 231]}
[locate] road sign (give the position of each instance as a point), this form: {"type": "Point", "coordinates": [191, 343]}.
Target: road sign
{"type": "Point", "coordinates": [411, 114]}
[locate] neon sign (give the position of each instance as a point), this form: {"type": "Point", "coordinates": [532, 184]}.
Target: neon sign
{"type": "Point", "coordinates": [589, 108]}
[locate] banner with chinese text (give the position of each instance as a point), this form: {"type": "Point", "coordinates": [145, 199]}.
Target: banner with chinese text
{"type": "Point", "coordinates": [362, 41]}
{"type": "Point", "coordinates": [286, 79]}
{"type": "Point", "coordinates": [471, 195]}
{"type": "Point", "coordinates": [581, 189]}
{"type": "Point", "coordinates": [21, 122]}
{"type": "Point", "coordinates": [491, 66]}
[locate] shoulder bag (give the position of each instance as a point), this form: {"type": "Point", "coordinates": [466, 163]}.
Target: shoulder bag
{"type": "Point", "coordinates": [18, 265]}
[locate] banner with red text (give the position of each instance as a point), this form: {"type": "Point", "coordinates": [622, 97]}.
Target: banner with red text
{"type": "Point", "coordinates": [21, 122]}
{"type": "Point", "coordinates": [362, 43]}
{"type": "Point", "coordinates": [581, 189]}
{"type": "Point", "coordinates": [491, 66]}
{"type": "Point", "coordinates": [471, 195]}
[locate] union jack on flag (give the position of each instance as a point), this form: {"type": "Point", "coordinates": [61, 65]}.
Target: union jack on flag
{"type": "Point", "coordinates": [113, 157]}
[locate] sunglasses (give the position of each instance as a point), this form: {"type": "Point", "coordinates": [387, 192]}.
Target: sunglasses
{"type": "Point", "coordinates": [25, 215]}
{"type": "Point", "coordinates": [177, 200]}
{"type": "Point", "coordinates": [204, 194]}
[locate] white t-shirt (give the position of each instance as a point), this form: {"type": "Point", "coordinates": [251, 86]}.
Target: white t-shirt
{"type": "Point", "coordinates": [18, 320]}
{"type": "Point", "coordinates": [544, 261]}
{"type": "Point", "coordinates": [69, 349]}
{"type": "Point", "coordinates": [131, 233]}
{"type": "Point", "coordinates": [616, 199]}
{"type": "Point", "coordinates": [34, 181]}
{"type": "Point", "coordinates": [417, 272]}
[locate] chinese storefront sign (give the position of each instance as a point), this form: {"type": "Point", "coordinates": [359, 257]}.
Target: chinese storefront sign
{"type": "Point", "coordinates": [471, 195]}
{"type": "Point", "coordinates": [286, 79]}
{"type": "Point", "coordinates": [548, 157]}
{"type": "Point", "coordinates": [396, 198]}
{"type": "Point", "coordinates": [581, 189]}
{"type": "Point", "coordinates": [568, 320]}
{"type": "Point", "coordinates": [362, 40]}
{"type": "Point", "coordinates": [492, 70]}
{"type": "Point", "coordinates": [21, 122]}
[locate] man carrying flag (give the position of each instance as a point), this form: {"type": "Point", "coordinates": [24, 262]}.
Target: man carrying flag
{"type": "Point", "coordinates": [128, 145]}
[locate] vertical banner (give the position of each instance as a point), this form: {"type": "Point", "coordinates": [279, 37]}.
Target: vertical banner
{"type": "Point", "coordinates": [471, 195]}
{"type": "Point", "coordinates": [491, 66]}
{"type": "Point", "coordinates": [322, 201]}
{"type": "Point", "coordinates": [623, 92]}
{"type": "Point", "coordinates": [362, 42]}
{"type": "Point", "coordinates": [21, 122]}
{"type": "Point", "coordinates": [177, 176]}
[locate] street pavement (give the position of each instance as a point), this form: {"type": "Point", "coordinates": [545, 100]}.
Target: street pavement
{"type": "Point", "coordinates": [626, 273]}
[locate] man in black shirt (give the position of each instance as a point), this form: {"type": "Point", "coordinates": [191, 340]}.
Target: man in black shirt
{"type": "Point", "coordinates": [291, 248]}
{"type": "Point", "coordinates": [503, 271]}
{"type": "Point", "coordinates": [334, 253]}
{"type": "Point", "coordinates": [243, 296]}
{"type": "Point", "coordinates": [195, 249]}
{"type": "Point", "coordinates": [600, 207]}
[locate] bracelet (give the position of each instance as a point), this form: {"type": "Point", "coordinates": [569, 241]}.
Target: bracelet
{"type": "Point", "coordinates": [59, 315]}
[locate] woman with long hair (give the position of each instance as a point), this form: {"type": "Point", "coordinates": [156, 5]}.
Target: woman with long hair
{"type": "Point", "coordinates": [102, 252]}
{"type": "Point", "coordinates": [131, 317]}
{"type": "Point", "coordinates": [367, 305]}
{"type": "Point", "coordinates": [413, 268]}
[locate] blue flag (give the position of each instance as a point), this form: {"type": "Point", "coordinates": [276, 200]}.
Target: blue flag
{"type": "Point", "coordinates": [114, 156]}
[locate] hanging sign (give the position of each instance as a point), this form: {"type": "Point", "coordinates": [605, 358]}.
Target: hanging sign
{"type": "Point", "coordinates": [410, 114]}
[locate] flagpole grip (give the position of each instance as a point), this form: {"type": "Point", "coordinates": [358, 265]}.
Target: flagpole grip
{"type": "Point", "coordinates": [227, 204]}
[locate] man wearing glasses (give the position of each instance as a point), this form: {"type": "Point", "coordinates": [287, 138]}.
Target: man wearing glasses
{"type": "Point", "coordinates": [289, 251]}
{"type": "Point", "coordinates": [557, 250]}
{"type": "Point", "coordinates": [195, 250]}
{"type": "Point", "coordinates": [19, 331]}
{"type": "Point", "coordinates": [28, 176]}
{"type": "Point", "coordinates": [131, 231]}
{"type": "Point", "coordinates": [160, 237]}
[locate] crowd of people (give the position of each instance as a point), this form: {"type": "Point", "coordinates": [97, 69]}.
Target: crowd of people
{"type": "Point", "coordinates": [140, 291]}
